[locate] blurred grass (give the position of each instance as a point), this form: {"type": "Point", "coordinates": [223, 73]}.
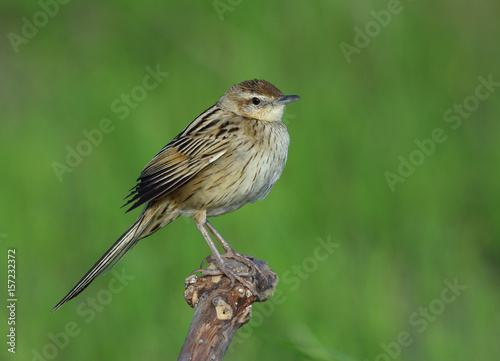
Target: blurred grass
{"type": "Point", "coordinates": [353, 122]}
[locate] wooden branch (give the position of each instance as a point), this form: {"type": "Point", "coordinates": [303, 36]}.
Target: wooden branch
{"type": "Point", "coordinates": [218, 312]}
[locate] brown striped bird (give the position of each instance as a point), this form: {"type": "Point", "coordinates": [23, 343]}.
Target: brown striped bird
{"type": "Point", "coordinates": [231, 154]}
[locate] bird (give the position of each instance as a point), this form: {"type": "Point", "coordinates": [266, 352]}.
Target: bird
{"type": "Point", "coordinates": [230, 155]}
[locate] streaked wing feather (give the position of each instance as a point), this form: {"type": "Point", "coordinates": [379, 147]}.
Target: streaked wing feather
{"type": "Point", "coordinates": [176, 164]}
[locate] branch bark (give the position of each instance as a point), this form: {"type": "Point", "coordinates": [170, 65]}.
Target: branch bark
{"type": "Point", "coordinates": [218, 311]}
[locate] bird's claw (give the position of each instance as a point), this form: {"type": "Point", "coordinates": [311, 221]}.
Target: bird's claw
{"type": "Point", "coordinates": [246, 260]}
{"type": "Point", "coordinates": [232, 274]}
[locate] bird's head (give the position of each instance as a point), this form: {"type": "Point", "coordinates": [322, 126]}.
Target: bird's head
{"type": "Point", "coordinates": [257, 99]}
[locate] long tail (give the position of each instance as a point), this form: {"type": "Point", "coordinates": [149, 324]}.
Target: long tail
{"type": "Point", "coordinates": [141, 228]}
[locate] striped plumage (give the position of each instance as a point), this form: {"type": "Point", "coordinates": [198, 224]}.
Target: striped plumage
{"type": "Point", "coordinates": [230, 155]}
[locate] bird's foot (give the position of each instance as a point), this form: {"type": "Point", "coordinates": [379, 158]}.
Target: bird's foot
{"type": "Point", "coordinates": [247, 260]}
{"type": "Point", "coordinates": [244, 277]}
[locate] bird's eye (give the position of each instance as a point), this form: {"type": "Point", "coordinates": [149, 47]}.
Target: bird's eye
{"type": "Point", "coordinates": [256, 101]}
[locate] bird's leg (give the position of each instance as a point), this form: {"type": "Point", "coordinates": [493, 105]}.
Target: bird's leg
{"type": "Point", "coordinates": [231, 253]}
{"type": "Point", "coordinates": [219, 238]}
{"type": "Point", "coordinates": [222, 268]}
{"type": "Point", "coordinates": [211, 244]}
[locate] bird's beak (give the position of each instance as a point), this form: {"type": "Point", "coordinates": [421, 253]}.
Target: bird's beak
{"type": "Point", "coordinates": [285, 99]}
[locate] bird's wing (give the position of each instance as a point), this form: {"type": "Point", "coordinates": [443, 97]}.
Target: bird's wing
{"type": "Point", "coordinates": [176, 164]}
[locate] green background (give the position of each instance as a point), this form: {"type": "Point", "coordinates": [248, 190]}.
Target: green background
{"type": "Point", "coordinates": [395, 250]}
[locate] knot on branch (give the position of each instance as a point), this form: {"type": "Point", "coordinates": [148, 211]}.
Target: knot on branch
{"type": "Point", "coordinates": [219, 309]}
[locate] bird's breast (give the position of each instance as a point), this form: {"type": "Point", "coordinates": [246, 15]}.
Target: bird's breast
{"type": "Point", "coordinates": [245, 173]}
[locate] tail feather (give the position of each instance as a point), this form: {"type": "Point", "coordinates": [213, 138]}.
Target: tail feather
{"type": "Point", "coordinates": [112, 255]}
